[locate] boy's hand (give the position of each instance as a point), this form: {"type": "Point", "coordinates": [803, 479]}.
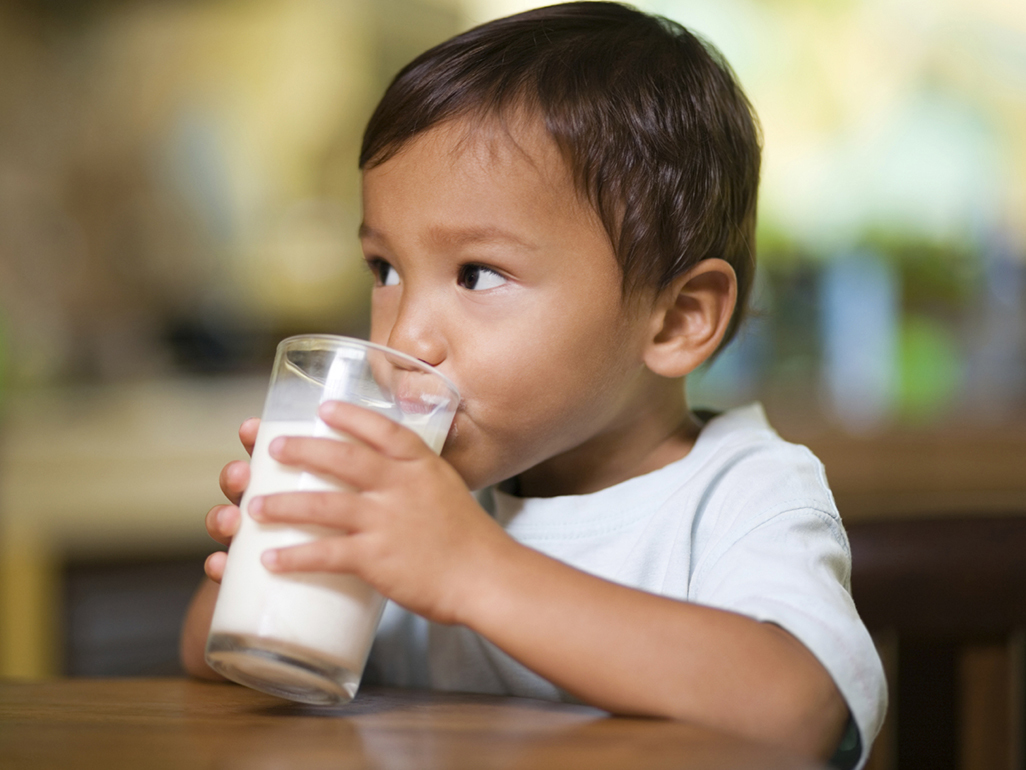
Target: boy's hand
{"type": "Point", "coordinates": [408, 525]}
{"type": "Point", "coordinates": [223, 520]}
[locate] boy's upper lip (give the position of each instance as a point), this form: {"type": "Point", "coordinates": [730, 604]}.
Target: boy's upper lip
{"type": "Point", "coordinates": [416, 400]}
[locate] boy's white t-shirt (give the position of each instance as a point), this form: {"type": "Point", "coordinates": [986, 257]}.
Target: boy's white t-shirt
{"type": "Point", "coordinates": [744, 522]}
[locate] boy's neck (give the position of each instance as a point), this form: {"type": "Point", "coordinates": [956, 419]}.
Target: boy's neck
{"type": "Point", "coordinates": [659, 430]}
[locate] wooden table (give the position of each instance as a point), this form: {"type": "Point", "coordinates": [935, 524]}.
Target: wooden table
{"type": "Point", "coordinates": [178, 723]}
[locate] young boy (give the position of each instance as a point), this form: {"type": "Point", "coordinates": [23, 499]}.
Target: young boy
{"type": "Point", "coordinates": [559, 213]}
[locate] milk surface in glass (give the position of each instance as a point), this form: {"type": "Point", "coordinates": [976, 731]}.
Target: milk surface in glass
{"type": "Point", "coordinates": [304, 636]}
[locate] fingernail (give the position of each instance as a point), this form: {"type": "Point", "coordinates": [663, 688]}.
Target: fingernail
{"type": "Point", "coordinates": [269, 559]}
{"type": "Point", "coordinates": [276, 446]}
{"type": "Point", "coordinates": [222, 518]}
{"type": "Point", "coordinates": [256, 508]}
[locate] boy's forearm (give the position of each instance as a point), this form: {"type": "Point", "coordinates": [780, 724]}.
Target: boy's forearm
{"type": "Point", "coordinates": [633, 652]}
{"type": "Point", "coordinates": [195, 629]}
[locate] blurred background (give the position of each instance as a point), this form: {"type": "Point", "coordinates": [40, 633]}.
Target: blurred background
{"type": "Point", "coordinates": [178, 191]}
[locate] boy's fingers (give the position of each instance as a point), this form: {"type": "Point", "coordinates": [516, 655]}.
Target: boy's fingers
{"type": "Point", "coordinates": [338, 510]}
{"type": "Point", "coordinates": [248, 432]}
{"type": "Point", "coordinates": [222, 522]}
{"type": "Point", "coordinates": [234, 479]}
{"type": "Point", "coordinates": [214, 565]}
{"type": "Point", "coordinates": [330, 554]}
{"type": "Point", "coordinates": [385, 435]}
{"type": "Point", "coordinates": [352, 463]}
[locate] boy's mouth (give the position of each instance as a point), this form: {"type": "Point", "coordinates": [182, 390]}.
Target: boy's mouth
{"type": "Point", "coordinates": [414, 405]}
{"type": "Point", "coordinates": [413, 399]}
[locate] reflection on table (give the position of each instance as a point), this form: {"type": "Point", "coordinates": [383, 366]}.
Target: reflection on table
{"type": "Point", "coordinates": [178, 723]}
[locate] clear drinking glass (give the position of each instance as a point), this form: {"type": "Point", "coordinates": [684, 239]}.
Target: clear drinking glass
{"type": "Point", "coordinates": [306, 636]}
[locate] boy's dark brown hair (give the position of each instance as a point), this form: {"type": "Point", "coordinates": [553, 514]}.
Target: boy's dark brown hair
{"type": "Point", "coordinates": [650, 120]}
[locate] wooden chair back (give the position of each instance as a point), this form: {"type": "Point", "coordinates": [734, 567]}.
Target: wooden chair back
{"type": "Point", "coordinates": [946, 601]}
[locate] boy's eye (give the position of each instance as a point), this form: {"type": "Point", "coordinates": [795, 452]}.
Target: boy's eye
{"type": "Point", "coordinates": [385, 274]}
{"type": "Point", "coordinates": [479, 278]}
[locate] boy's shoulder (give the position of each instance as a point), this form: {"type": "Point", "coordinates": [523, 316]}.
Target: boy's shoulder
{"type": "Point", "coordinates": [746, 473]}
{"type": "Point", "coordinates": [742, 441]}
{"type": "Point", "coordinates": [738, 473]}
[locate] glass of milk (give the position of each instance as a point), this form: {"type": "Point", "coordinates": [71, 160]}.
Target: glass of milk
{"type": "Point", "coordinates": [306, 636]}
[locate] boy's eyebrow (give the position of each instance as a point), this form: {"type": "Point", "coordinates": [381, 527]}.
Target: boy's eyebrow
{"type": "Point", "coordinates": [469, 236]}
{"type": "Point", "coordinates": [461, 236]}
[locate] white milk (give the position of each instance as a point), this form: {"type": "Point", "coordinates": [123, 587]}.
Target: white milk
{"type": "Point", "coordinates": [334, 615]}
{"type": "Point", "coordinates": [321, 616]}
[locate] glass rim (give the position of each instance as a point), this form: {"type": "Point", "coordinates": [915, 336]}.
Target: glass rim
{"type": "Point", "coordinates": [339, 339]}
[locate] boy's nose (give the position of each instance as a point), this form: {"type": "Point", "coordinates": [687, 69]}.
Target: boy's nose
{"type": "Point", "coordinates": [416, 333]}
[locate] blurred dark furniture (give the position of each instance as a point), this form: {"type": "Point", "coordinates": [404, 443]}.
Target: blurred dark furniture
{"type": "Point", "coordinates": [946, 601]}
{"type": "Point", "coordinates": [123, 618]}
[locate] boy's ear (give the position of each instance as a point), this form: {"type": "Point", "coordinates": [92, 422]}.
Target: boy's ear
{"type": "Point", "coordinates": [690, 318]}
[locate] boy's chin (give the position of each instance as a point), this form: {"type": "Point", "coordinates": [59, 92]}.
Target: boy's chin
{"type": "Point", "coordinates": [468, 466]}
{"type": "Point", "coordinates": [472, 478]}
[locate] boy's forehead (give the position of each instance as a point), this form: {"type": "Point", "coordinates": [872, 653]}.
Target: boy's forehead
{"type": "Point", "coordinates": [490, 159]}
{"type": "Point", "coordinates": [514, 140]}
{"type": "Point", "coordinates": [485, 180]}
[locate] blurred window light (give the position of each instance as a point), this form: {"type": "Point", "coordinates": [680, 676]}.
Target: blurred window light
{"type": "Point", "coordinates": [859, 318]}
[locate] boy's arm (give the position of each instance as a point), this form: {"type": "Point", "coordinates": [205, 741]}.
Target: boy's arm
{"type": "Point", "coordinates": [632, 652]}
{"type": "Point", "coordinates": [195, 629]}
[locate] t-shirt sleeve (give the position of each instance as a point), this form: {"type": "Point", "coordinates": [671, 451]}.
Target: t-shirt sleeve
{"type": "Point", "coordinates": [774, 549]}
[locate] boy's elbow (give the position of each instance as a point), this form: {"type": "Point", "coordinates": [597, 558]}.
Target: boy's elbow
{"type": "Point", "coordinates": [804, 711]}
{"type": "Point", "coordinates": [812, 718]}
{"type": "Point", "coordinates": [803, 715]}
